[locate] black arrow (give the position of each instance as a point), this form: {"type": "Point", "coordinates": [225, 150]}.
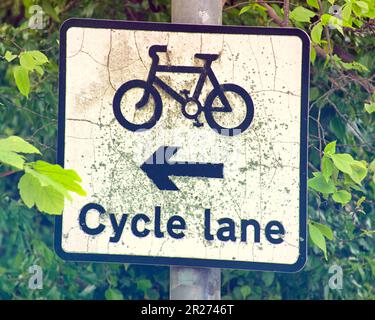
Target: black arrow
{"type": "Point", "coordinates": [158, 168]}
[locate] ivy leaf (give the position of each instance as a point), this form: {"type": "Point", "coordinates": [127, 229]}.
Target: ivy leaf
{"type": "Point", "coordinates": [9, 56]}
{"type": "Point", "coordinates": [316, 33]}
{"type": "Point", "coordinates": [320, 184]}
{"type": "Point", "coordinates": [343, 161]}
{"type": "Point", "coordinates": [327, 167]}
{"type": "Point", "coordinates": [45, 198]}
{"type": "Point", "coordinates": [317, 238]}
{"type": "Point", "coordinates": [10, 149]}
{"type": "Point", "coordinates": [342, 196]}
{"type": "Point", "coordinates": [301, 14]}
{"type": "Point", "coordinates": [21, 76]}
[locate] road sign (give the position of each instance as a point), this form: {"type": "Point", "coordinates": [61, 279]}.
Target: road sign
{"type": "Point", "coordinates": [191, 142]}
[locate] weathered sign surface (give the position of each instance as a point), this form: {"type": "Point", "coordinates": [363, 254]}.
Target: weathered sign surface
{"type": "Point", "coordinates": [191, 143]}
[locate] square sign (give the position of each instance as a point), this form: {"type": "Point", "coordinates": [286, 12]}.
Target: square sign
{"type": "Point", "coordinates": [191, 142]}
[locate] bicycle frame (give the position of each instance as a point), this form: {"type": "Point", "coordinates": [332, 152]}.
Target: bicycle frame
{"type": "Point", "coordinates": [204, 71]}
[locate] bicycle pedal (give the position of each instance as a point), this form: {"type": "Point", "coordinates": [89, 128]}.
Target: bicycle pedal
{"type": "Point", "coordinates": [185, 92]}
{"type": "Point", "coordinates": [198, 124]}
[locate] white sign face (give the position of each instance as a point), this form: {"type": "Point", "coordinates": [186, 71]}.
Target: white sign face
{"type": "Point", "coordinates": [191, 143]}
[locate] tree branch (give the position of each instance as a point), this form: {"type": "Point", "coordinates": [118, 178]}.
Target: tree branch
{"type": "Point", "coordinates": [7, 173]}
{"type": "Point", "coordinates": [286, 13]}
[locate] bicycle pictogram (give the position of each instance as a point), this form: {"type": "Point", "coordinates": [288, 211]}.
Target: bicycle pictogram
{"type": "Point", "coordinates": [218, 92]}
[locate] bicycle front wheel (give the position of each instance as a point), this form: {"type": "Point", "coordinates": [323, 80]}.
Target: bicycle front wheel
{"type": "Point", "coordinates": [234, 122]}
{"type": "Point", "coordinates": [126, 99]}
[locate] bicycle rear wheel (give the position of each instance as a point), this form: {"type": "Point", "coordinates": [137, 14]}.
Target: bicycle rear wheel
{"type": "Point", "coordinates": [210, 111]}
{"type": "Point", "coordinates": [123, 119]}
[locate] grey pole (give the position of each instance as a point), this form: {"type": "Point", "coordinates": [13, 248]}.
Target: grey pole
{"type": "Point", "coordinates": [196, 283]}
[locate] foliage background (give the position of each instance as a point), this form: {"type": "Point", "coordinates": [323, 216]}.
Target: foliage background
{"type": "Point", "coordinates": [339, 91]}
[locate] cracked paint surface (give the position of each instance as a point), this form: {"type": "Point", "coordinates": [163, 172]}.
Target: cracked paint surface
{"type": "Point", "coordinates": [261, 165]}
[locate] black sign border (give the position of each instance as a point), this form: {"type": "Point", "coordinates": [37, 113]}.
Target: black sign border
{"type": "Point", "coordinates": [155, 260]}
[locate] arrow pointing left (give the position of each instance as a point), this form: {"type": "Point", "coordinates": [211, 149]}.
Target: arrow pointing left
{"type": "Point", "coordinates": [158, 168]}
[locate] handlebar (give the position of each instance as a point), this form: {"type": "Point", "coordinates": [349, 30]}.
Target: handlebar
{"type": "Point", "coordinates": [155, 49]}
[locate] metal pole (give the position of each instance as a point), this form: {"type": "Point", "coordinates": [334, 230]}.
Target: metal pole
{"type": "Point", "coordinates": [196, 283]}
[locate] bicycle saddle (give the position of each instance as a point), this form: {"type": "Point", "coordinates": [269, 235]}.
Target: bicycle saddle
{"type": "Point", "coordinates": [207, 56]}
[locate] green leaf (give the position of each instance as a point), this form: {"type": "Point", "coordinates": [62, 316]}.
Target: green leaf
{"type": "Point", "coordinates": [244, 9]}
{"type": "Point", "coordinates": [21, 76]}
{"type": "Point", "coordinates": [360, 201]}
{"type": "Point", "coordinates": [342, 196]}
{"type": "Point", "coordinates": [330, 148]}
{"type": "Point", "coordinates": [144, 285]}
{"type": "Point", "coordinates": [268, 278]}
{"type": "Point", "coordinates": [32, 60]}
{"type": "Point", "coordinates": [113, 294]}
{"type": "Point", "coordinates": [10, 149]}
{"type": "Point", "coordinates": [245, 291]}
{"type": "Point", "coordinates": [39, 57]}
{"type": "Point", "coordinates": [301, 14]}
{"type": "Point", "coordinates": [313, 3]}
{"type": "Point", "coordinates": [343, 162]}
{"type": "Point", "coordinates": [50, 10]}
{"type": "Point", "coordinates": [17, 144]}
{"type": "Point", "coordinates": [27, 61]}
{"type": "Point", "coordinates": [325, 230]}
{"type": "Point", "coordinates": [312, 56]}
{"type": "Point", "coordinates": [359, 171]}
{"type": "Point", "coordinates": [45, 198]}
{"type": "Point", "coordinates": [68, 178]}
{"type": "Point", "coordinates": [370, 108]}
{"type": "Point", "coordinates": [320, 184]}
{"type": "Point", "coordinates": [9, 56]}
{"type": "Point", "coordinates": [316, 33]}
{"type": "Point", "coordinates": [39, 70]}
{"type": "Point", "coordinates": [45, 181]}
{"type": "Point", "coordinates": [12, 159]}
{"type": "Point", "coordinates": [327, 167]}
{"type": "Point", "coordinates": [317, 238]}
{"type": "Point", "coordinates": [27, 186]}
{"type": "Point", "coordinates": [371, 166]}
{"type": "Point", "coordinates": [363, 6]}
{"type": "Point", "coordinates": [346, 11]}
